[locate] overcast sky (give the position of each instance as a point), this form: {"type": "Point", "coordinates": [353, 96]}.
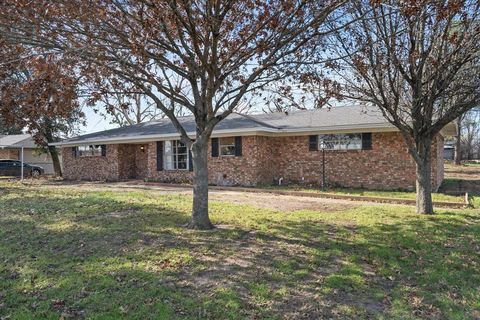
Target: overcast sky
{"type": "Point", "coordinates": [95, 122]}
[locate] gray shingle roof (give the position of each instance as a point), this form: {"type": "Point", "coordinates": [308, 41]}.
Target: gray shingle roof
{"type": "Point", "coordinates": [340, 117]}
{"type": "Point", "coordinates": [17, 141]}
{"type": "Point", "coordinates": [334, 117]}
{"type": "Point", "coordinates": [164, 127]}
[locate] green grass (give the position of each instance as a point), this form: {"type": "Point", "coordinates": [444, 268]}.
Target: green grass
{"type": "Point", "coordinates": [101, 254]}
{"type": "Point", "coordinates": [369, 193]}
{"type": "Point", "coordinates": [472, 164]}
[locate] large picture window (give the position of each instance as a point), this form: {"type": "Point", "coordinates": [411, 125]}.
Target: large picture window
{"type": "Point", "coordinates": [341, 141]}
{"type": "Point", "coordinates": [91, 150]}
{"type": "Point", "coordinates": [176, 155]}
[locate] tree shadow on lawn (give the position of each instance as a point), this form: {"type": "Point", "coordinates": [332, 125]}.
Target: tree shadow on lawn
{"type": "Point", "coordinates": [416, 267]}
{"type": "Point", "coordinates": [92, 255]}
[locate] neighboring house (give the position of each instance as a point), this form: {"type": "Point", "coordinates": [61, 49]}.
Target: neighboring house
{"type": "Point", "coordinates": [364, 151]}
{"type": "Point", "coordinates": [449, 150]}
{"type": "Point", "coordinates": [10, 148]}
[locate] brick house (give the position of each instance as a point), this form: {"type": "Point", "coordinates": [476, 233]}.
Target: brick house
{"type": "Point", "coordinates": [361, 148]}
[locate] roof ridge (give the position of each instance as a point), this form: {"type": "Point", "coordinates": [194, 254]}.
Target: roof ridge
{"type": "Point", "coordinates": [251, 117]}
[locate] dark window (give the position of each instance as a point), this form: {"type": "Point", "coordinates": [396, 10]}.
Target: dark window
{"type": "Point", "coordinates": [214, 147]}
{"type": "Point", "coordinates": [366, 141]}
{"type": "Point", "coordinates": [313, 143]}
{"type": "Point", "coordinates": [238, 146]}
{"type": "Point", "coordinates": [159, 155]}
{"type": "Point", "coordinates": [190, 161]}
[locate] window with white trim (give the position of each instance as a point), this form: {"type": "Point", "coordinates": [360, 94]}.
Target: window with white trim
{"type": "Point", "coordinates": [227, 146]}
{"type": "Point", "coordinates": [90, 150]}
{"type": "Point", "coordinates": [175, 155]}
{"type": "Point", "coordinates": [341, 141]}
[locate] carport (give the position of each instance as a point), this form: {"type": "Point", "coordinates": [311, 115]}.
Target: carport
{"type": "Point", "coordinates": [32, 153]}
{"type": "Point", "coordinates": [21, 148]}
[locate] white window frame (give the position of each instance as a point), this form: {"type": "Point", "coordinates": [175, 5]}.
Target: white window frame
{"type": "Point", "coordinates": [340, 141]}
{"type": "Point", "coordinates": [224, 146]}
{"type": "Point", "coordinates": [91, 150]}
{"type": "Point", "coordinates": [171, 156]}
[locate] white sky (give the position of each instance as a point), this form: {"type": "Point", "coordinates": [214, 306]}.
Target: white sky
{"type": "Point", "coordinates": [95, 122]}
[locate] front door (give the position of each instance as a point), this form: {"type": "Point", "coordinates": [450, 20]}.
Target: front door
{"type": "Point", "coordinates": [141, 162]}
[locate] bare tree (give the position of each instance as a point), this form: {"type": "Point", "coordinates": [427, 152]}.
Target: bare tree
{"type": "Point", "coordinates": [470, 134]}
{"type": "Point", "coordinates": [206, 56]}
{"type": "Point", "coordinates": [304, 90]}
{"type": "Point", "coordinates": [418, 61]}
{"type": "Point", "coordinates": [457, 156]}
{"type": "Point", "coordinates": [123, 103]}
{"type": "Point", "coordinates": [127, 109]}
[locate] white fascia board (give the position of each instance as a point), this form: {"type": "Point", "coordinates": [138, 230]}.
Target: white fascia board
{"type": "Point", "coordinates": [261, 131]}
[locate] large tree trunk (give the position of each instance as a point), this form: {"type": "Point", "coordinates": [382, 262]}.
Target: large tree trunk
{"type": "Point", "coordinates": [458, 145]}
{"type": "Point", "coordinates": [48, 135]}
{"type": "Point", "coordinates": [200, 219]}
{"type": "Point", "coordinates": [55, 160]}
{"type": "Point", "coordinates": [424, 177]}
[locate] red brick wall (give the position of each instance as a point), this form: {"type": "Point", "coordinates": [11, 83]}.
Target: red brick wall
{"type": "Point", "coordinates": [253, 167]}
{"type": "Point", "coordinates": [249, 169]}
{"type": "Point", "coordinates": [92, 168]}
{"type": "Point", "coordinates": [121, 162]}
{"type": "Point", "coordinates": [386, 166]}
{"type": "Point", "coordinates": [265, 159]}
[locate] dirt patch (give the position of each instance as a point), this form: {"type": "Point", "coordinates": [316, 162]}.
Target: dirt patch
{"type": "Point", "coordinates": [281, 202]}
{"type": "Point", "coordinates": [284, 203]}
{"type": "Point", "coordinates": [121, 214]}
{"type": "Point", "coordinates": [463, 172]}
{"type": "Point", "coordinates": [461, 179]}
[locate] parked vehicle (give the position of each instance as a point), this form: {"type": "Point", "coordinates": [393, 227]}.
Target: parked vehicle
{"type": "Point", "coordinates": [13, 168]}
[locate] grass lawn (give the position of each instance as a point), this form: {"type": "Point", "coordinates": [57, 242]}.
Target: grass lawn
{"type": "Point", "coordinates": [107, 254]}
{"type": "Point", "coordinates": [472, 164]}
